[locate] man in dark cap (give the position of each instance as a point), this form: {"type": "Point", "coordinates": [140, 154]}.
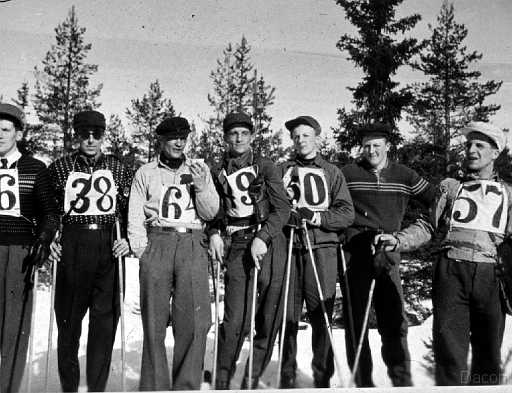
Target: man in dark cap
{"type": "Point", "coordinates": [92, 191]}
{"type": "Point", "coordinates": [254, 211]}
{"type": "Point", "coordinates": [28, 220]}
{"type": "Point", "coordinates": [380, 191]}
{"type": "Point", "coordinates": [471, 221]}
{"type": "Point", "coordinates": [319, 194]}
{"type": "Point", "coordinates": [171, 198]}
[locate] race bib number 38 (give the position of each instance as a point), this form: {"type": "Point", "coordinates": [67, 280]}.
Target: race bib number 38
{"type": "Point", "coordinates": [481, 205]}
{"type": "Point", "coordinates": [308, 188]}
{"type": "Point", "coordinates": [90, 195]}
{"type": "Point", "coordinates": [9, 193]}
{"type": "Point", "coordinates": [176, 206]}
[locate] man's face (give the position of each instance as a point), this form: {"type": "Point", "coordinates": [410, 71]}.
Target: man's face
{"type": "Point", "coordinates": [375, 150]}
{"type": "Point", "coordinates": [173, 148]}
{"type": "Point", "coordinates": [480, 153]}
{"type": "Point", "coordinates": [304, 140]}
{"type": "Point", "coordinates": [8, 136]}
{"type": "Point", "coordinates": [239, 139]}
{"type": "Point", "coordinates": [90, 141]}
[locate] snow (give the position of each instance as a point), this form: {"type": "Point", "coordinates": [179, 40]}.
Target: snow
{"type": "Point", "coordinates": [133, 327]}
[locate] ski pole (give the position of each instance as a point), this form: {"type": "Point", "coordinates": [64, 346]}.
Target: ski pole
{"type": "Point", "coordinates": [121, 307]}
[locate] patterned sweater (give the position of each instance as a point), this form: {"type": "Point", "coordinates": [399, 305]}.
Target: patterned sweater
{"type": "Point", "coordinates": [37, 205]}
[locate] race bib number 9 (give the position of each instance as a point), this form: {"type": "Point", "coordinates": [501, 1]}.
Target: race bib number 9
{"type": "Point", "coordinates": [176, 206]}
{"type": "Point", "coordinates": [308, 188]}
{"type": "Point", "coordinates": [239, 182]}
{"type": "Point", "coordinates": [90, 195]}
{"type": "Point", "coordinates": [9, 193]}
{"type": "Point", "coordinates": [481, 205]}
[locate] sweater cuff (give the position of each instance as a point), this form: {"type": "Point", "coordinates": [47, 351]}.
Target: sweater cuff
{"type": "Point", "coordinates": [263, 235]}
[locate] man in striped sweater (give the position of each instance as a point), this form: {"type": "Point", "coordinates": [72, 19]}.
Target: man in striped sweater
{"type": "Point", "coordinates": [380, 191]}
{"type": "Point", "coordinates": [28, 220]}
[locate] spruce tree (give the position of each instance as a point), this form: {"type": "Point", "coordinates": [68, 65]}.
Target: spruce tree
{"type": "Point", "coordinates": [63, 81]}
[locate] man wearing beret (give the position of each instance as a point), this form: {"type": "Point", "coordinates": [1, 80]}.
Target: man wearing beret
{"type": "Point", "coordinates": [28, 220]}
{"type": "Point", "coordinates": [320, 196]}
{"type": "Point", "coordinates": [171, 198]}
{"type": "Point", "coordinates": [380, 191]}
{"type": "Point", "coordinates": [92, 192]}
{"type": "Point", "coordinates": [471, 219]}
{"type": "Point", "coordinates": [254, 211]}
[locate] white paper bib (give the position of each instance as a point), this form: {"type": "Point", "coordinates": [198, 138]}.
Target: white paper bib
{"type": "Point", "coordinates": [176, 207]}
{"type": "Point", "coordinates": [90, 197]}
{"type": "Point", "coordinates": [9, 193]}
{"type": "Point", "coordinates": [309, 189]}
{"type": "Point", "coordinates": [239, 181]}
{"type": "Point", "coordinates": [481, 205]}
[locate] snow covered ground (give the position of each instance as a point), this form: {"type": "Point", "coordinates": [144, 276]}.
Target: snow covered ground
{"type": "Point", "coordinates": [417, 336]}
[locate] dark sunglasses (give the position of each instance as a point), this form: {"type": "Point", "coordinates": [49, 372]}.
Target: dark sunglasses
{"type": "Point", "coordinates": [85, 133]}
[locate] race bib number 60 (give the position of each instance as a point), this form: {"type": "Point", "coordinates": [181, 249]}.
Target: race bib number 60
{"type": "Point", "coordinates": [308, 188]}
{"type": "Point", "coordinates": [90, 195]}
{"type": "Point", "coordinates": [9, 193]}
{"type": "Point", "coordinates": [481, 205]}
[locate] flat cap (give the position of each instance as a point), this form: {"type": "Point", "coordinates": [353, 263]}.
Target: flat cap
{"type": "Point", "coordinates": [306, 120]}
{"type": "Point", "coordinates": [13, 113]}
{"type": "Point", "coordinates": [173, 127]}
{"type": "Point", "coordinates": [237, 119]}
{"type": "Point", "coordinates": [489, 130]}
{"type": "Point", "coordinates": [374, 129]}
{"type": "Point", "coordinates": [89, 119]}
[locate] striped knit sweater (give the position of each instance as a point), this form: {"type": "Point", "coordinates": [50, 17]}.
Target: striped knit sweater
{"type": "Point", "coordinates": [37, 204]}
{"type": "Point", "coordinates": [380, 199]}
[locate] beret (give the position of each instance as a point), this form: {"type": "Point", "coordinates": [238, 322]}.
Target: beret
{"type": "Point", "coordinates": [237, 119]}
{"type": "Point", "coordinates": [13, 113]}
{"type": "Point", "coordinates": [176, 127]}
{"type": "Point", "coordinates": [489, 130]}
{"type": "Point", "coordinates": [89, 119]}
{"type": "Point", "coordinates": [306, 120]}
{"type": "Point", "coordinates": [374, 129]}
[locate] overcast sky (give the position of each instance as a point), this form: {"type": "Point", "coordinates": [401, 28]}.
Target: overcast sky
{"type": "Point", "coordinates": [178, 41]}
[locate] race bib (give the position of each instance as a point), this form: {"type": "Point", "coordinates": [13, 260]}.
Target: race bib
{"type": "Point", "coordinates": [9, 193]}
{"type": "Point", "coordinates": [308, 187]}
{"type": "Point", "coordinates": [481, 205]}
{"type": "Point", "coordinates": [176, 207]}
{"type": "Point", "coordinates": [239, 181]}
{"type": "Point", "coordinates": [90, 195]}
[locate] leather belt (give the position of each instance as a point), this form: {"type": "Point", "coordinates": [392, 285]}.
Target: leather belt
{"type": "Point", "coordinates": [245, 230]}
{"type": "Point", "coordinates": [90, 227]}
{"type": "Point", "coordinates": [170, 229]}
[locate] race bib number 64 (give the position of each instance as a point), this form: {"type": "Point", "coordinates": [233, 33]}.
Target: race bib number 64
{"type": "Point", "coordinates": [91, 195]}
{"type": "Point", "coordinates": [481, 205]}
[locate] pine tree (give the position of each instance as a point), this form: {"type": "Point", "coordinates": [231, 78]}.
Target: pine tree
{"type": "Point", "coordinates": [145, 114]}
{"type": "Point", "coordinates": [379, 50]}
{"type": "Point", "coordinates": [238, 87]}
{"type": "Point", "coordinates": [63, 84]}
{"type": "Point", "coordinates": [453, 95]}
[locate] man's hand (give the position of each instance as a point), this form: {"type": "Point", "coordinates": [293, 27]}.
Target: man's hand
{"type": "Point", "coordinates": [120, 248]}
{"type": "Point", "coordinates": [199, 171]}
{"type": "Point", "coordinates": [55, 252]}
{"type": "Point", "coordinates": [384, 242]}
{"type": "Point", "coordinates": [258, 251]}
{"type": "Point", "coordinates": [216, 248]}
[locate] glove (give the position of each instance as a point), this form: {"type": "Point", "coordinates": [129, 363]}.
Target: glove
{"type": "Point", "coordinates": [305, 213]}
{"type": "Point", "coordinates": [382, 261]}
{"type": "Point", "coordinates": [37, 255]}
{"type": "Point", "coordinates": [294, 220]}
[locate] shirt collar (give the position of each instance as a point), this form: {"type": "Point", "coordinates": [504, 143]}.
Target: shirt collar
{"type": "Point", "coordinates": [13, 156]}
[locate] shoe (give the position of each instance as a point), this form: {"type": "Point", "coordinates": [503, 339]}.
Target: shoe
{"type": "Point", "coordinates": [222, 385]}
{"type": "Point", "coordinates": [287, 382]}
{"type": "Point", "coordinates": [254, 383]}
{"type": "Point", "coordinates": [321, 383]}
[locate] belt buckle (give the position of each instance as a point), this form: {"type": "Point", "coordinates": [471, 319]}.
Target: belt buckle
{"type": "Point", "coordinates": [181, 229]}
{"type": "Point", "coordinates": [92, 227]}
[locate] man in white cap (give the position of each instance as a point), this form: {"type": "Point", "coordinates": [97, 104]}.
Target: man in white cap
{"type": "Point", "coordinates": [471, 218]}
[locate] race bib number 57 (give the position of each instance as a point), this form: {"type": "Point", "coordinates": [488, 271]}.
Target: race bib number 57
{"type": "Point", "coordinates": [90, 195]}
{"type": "Point", "coordinates": [481, 205]}
{"type": "Point", "coordinates": [9, 193]}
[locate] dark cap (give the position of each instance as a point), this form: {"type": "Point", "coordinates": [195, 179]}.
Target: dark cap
{"type": "Point", "coordinates": [13, 113]}
{"type": "Point", "coordinates": [237, 119]}
{"type": "Point", "coordinates": [173, 127]}
{"type": "Point", "coordinates": [306, 120]}
{"type": "Point", "coordinates": [374, 129]}
{"type": "Point", "coordinates": [89, 119]}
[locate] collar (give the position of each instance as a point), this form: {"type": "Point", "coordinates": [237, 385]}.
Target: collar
{"type": "Point", "coordinates": [473, 176]}
{"type": "Point", "coordinates": [363, 163]}
{"type": "Point", "coordinates": [13, 156]}
{"type": "Point", "coordinates": [305, 162]}
{"type": "Point", "coordinates": [88, 161]}
{"type": "Point", "coordinates": [235, 163]}
{"type": "Point", "coordinates": [171, 163]}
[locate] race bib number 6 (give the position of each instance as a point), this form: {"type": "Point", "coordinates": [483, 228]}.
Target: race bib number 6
{"type": "Point", "coordinates": [481, 205]}
{"type": "Point", "coordinates": [9, 193]}
{"type": "Point", "coordinates": [90, 195]}
{"type": "Point", "coordinates": [308, 188]}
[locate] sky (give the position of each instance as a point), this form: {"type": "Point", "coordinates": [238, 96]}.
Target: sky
{"type": "Point", "coordinates": [178, 42]}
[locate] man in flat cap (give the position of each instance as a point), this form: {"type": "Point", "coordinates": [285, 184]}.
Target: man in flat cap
{"type": "Point", "coordinates": [254, 211]}
{"type": "Point", "coordinates": [319, 194]}
{"type": "Point", "coordinates": [471, 220]}
{"type": "Point", "coordinates": [380, 191]}
{"type": "Point", "coordinates": [92, 192]}
{"type": "Point", "coordinates": [28, 220]}
{"type": "Point", "coordinates": [171, 198]}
